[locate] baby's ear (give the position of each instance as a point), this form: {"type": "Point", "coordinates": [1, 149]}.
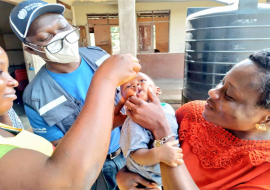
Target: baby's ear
{"type": "Point", "coordinates": [158, 91]}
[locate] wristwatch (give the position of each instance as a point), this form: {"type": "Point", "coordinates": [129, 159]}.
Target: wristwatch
{"type": "Point", "coordinates": [158, 143]}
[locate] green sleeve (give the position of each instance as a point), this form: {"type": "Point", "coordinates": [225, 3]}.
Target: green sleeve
{"type": "Point", "coordinates": [5, 149]}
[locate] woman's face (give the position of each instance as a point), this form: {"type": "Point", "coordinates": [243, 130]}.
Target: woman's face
{"type": "Point", "coordinates": [233, 103]}
{"type": "Point", "coordinates": [7, 84]}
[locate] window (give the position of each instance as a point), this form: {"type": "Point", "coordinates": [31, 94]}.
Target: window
{"type": "Point", "coordinates": [92, 36]}
{"type": "Point", "coordinates": [104, 32]}
{"type": "Point", "coordinates": [153, 31]}
{"type": "Point", "coordinates": [115, 40]}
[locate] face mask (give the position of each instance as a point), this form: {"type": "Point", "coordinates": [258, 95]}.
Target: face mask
{"type": "Point", "coordinates": [68, 54]}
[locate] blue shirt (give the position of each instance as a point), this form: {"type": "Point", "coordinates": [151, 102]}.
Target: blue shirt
{"type": "Point", "coordinates": [76, 84]}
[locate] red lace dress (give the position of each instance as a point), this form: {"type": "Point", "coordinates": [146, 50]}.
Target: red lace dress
{"type": "Point", "coordinates": [215, 158]}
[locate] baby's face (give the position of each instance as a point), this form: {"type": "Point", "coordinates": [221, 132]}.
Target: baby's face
{"type": "Point", "coordinates": [138, 87]}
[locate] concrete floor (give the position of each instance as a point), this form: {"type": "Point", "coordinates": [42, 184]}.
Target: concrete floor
{"type": "Point", "coordinates": [171, 93]}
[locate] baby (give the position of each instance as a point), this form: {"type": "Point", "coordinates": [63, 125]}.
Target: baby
{"type": "Point", "coordinates": [136, 142]}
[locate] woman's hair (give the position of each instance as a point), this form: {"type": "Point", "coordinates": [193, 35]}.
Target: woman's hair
{"type": "Point", "coordinates": [262, 60]}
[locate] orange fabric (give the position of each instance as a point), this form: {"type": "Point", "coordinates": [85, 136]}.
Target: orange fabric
{"type": "Point", "coordinates": [215, 158]}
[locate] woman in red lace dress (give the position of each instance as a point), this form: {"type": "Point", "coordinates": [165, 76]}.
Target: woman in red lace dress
{"type": "Point", "coordinates": [226, 139]}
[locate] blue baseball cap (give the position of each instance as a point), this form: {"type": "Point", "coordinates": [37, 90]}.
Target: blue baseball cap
{"type": "Point", "coordinates": [26, 12]}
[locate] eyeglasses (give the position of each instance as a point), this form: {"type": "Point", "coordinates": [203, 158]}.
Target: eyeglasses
{"type": "Point", "coordinates": [57, 45]}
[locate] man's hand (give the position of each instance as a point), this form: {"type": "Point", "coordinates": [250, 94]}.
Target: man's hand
{"type": "Point", "coordinates": [149, 115]}
{"type": "Point", "coordinates": [129, 181]}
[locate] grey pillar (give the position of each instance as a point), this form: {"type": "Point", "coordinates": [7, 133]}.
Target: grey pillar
{"type": "Point", "coordinates": [127, 26]}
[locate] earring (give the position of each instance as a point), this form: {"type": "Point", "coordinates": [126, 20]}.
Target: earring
{"type": "Point", "coordinates": [260, 127]}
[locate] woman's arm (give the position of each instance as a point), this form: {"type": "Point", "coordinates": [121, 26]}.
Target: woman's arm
{"type": "Point", "coordinates": [177, 178]}
{"type": "Point", "coordinates": [79, 156]}
{"type": "Point", "coordinates": [145, 114]}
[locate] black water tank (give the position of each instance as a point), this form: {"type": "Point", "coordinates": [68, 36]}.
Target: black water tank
{"type": "Point", "coordinates": [218, 38]}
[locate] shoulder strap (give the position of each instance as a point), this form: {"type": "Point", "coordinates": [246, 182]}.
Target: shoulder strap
{"type": "Point", "coordinates": [30, 141]}
{"type": "Point", "coordinates": [10, 129]}
{"type": "Point", "coordinates": [5, 149]}
{"type": "Point", "coordinates": [94, 56]}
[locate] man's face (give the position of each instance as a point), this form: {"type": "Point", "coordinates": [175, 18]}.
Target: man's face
{"type": "Point", "coordinates": [139, 87]}
{"type": "Point", "coordinates": [44, 28]}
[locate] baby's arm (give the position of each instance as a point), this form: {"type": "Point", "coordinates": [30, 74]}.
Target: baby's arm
{"type": "Point", "coordinates": [145, 157]}
{"type": "Point", "coordinates": [167, 153]}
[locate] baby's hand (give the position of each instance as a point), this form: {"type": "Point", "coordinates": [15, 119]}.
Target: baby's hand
{"type": "Point", "coordinates": [169, 154]}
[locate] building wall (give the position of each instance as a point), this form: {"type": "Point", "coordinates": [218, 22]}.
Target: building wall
{"type": "Point", "coordinates": [8, 40]}
{"type": "Point", "coordinates": [13, 47]}
{"type": "Point", "coordinates": [159, 65]}
{"type": "Point", "coordinates": [177, 20]}
{"type": "Point", "coordinates": [162, 65]}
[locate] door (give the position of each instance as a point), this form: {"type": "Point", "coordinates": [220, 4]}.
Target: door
{"type": "Point", "coordinates": [145, 41]}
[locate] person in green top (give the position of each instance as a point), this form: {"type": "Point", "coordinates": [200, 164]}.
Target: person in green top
{"type": "Point", "coordinates": [78, 159]}
{"type": "Point", "coordinates": [5, 149]}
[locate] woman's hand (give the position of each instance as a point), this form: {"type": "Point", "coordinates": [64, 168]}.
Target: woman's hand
{"type": "Point", "coordinates": [119, 68]}
{"type": "Point", "coordinates": [129, 181]}
{"type": "Point", "coordinates": [150, 114]}
{"type": "Point", "coordinates": [169, 154]}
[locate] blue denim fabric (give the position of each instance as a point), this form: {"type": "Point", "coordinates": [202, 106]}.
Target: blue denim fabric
{"type": "Point", "coordinates": [107, 177]}
{"type": "Point", "coordinates": [110, 169]}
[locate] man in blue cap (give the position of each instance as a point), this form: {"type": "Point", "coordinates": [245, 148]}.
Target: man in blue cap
{"type": "Point", "coordinates": [56, 95]}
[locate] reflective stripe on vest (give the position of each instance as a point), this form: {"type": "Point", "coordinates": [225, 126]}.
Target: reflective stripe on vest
{"type": "Point", "coordinates": [52, 104]}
